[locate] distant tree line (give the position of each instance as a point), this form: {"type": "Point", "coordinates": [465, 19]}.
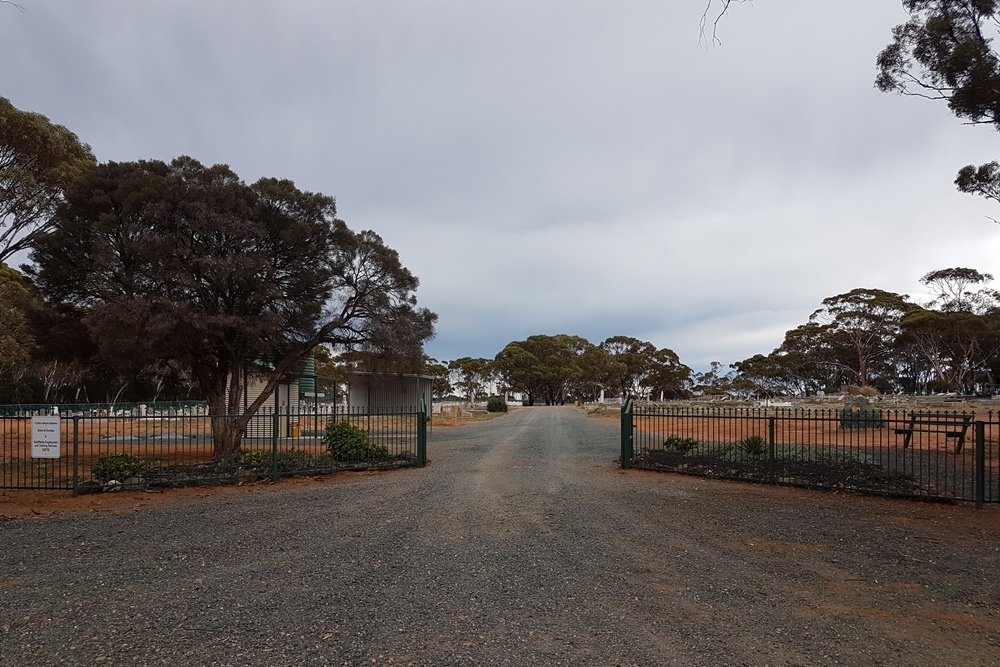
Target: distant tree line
{"type": "Point", "coordinates": [554, 369]}
{"type": "Point", "coordinates": [865, 337]}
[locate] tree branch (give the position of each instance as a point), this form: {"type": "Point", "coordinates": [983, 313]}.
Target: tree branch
{"type": "Point", "coordinates": [715, 24]}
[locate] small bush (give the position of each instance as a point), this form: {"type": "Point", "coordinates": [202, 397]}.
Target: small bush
{"type": "Point", "coordinates": [350, 443]}
{"type": "Point", "coordinates": [754, 446]}
{"type": "Point", "coordinates": [254, 459]}
{"type": "Point", "coordinates": [680, 443]}
{"type": "Point", "coordinates": [496, 404]}
{"type": "Point", "coordinates": [118, 466]}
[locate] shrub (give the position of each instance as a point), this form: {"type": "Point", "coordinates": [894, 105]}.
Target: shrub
{"type": "Point", "coordinates": [118, 466]}
{"type": "Point", "coordinates": [754, 446]}
{"type": "Point", "coordinates": [496, 404]}
{"type": "Point", "coordinates": [680, 443]}
{"type": "Point", "coordinates": [350, 443]}
{"type": "Point", "coordinates": [264, 461]}
{"type": "Point", "coordinates": [259, 459]}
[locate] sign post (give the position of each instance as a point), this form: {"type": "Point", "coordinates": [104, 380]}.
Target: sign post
{"type": "Point", "coordinates": [45, 437]}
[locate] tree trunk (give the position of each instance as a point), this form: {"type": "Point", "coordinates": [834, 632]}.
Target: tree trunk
{"type": "Point", "coordinates": [227, 434]}
{"type": "Point", "coordinates": [228, 419]}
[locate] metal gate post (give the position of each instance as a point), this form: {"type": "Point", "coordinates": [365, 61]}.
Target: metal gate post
{"type": "Point", "coordinates": [627, 428]}
{"type": "Point", "coordinates": [422, 438]}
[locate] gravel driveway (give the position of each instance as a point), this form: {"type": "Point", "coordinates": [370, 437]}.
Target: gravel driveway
{"type": "Point", "coordinates": [521, 543]}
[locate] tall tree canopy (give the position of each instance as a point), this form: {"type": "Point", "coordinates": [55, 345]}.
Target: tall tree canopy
{"type": "Point", "coordinates": [946, 52]}
{"type": "Point", "coordinates": [472, 375]}
{"type": "Point", "coordinates": [37, 161]}
{"type": "Point", "coordinates": [542, 366]}
{"type": "Point", "coordinates": [866, 321]}
{"type": "Point", "coordinates": [186, 262]}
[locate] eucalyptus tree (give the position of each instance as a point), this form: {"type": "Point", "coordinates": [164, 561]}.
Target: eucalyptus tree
{"type": "Point", "coordinates": [38, 160]}
{"type": "Point", "coordinates": [632, 360]}
{"type": "Point", "coordinates": [865, 321]}
{"type": "Point", "coordinates": [961, 290]}
{"type": "Point", "coordinates": [186, 262]}
{"type": "Point", "coordinates": [543, 367]}
{"type": "Point", "coordinates": [946, 51]}
{"type": "Point", "coordinates": [16, 338]}
{"type": "Point", "coordinates": [472, 375]}
{"type": "Point", "coordinates": [767, 376]}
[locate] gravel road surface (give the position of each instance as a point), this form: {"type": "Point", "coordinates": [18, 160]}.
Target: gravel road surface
{"type": "Point", "coordinates": [521, 543]}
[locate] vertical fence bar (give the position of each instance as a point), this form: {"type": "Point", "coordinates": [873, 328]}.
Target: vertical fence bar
{"type": "Point", "coordinates": [76, 455]}
{"type": "Point", "coordinates": [770, 450]}
{"type": "Point", "coordinates": [276, 422]}
{"type": "Point", "coordinates": [626, 434]}
{"type": "Point", "coordinates": [980, 464]}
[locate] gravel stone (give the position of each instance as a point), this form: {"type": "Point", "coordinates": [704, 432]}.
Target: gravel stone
{"type": "Point", "coordinates": [521, 543]}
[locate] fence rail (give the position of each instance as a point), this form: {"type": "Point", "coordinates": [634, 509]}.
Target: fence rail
{"type": "Point", "coordinates": [917, 454]}
{"type": "Point", "coordinates": [136, 449]}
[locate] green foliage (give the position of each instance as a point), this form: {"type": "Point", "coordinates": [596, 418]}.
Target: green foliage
{"type": "Point", "coordinates": [37, 161]}
{"type": "Point", "coordinates": [264, 460]}
{"type": "Point", "coordinates": [680, 443]}
{"type": "Point", "coordinates": [247, 272]}
{"type": "Point", "coordinates": [945, 51]}
{"type": "Point", "coordinates": [350, 443]}
{"type": "Point", "coordinates": [754, 446]}
{"type": "Point", "coordinates": [496, 404]}
{"type": "Point", "coordinates": [119, 466]}
{"type": "Point", "coordinates": [28, 467]}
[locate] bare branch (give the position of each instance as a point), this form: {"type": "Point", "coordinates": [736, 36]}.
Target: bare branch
{"type": "Point", "coordinates": [715, 23]}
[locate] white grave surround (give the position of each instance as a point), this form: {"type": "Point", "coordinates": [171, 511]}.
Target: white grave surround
{"type": "Point", "coordinates": [46, 437]}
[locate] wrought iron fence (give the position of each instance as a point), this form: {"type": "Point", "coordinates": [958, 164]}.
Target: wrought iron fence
{"type": "Point", "coordinates": [953, 455]}
{"type": "Point", "coordinates": [94, 448]}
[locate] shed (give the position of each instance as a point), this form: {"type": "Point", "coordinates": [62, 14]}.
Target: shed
{"type": "Point", "coordinates": [389, 390]}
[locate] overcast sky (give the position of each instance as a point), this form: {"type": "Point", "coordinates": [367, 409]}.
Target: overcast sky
{"type": "Point", "coordinates": [547, 166]}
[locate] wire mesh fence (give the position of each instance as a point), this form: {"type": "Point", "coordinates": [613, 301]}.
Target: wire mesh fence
{"type": "Point", "coordinates": [97, 449]}
{"type": "Point", "coordinates": [952, 455]}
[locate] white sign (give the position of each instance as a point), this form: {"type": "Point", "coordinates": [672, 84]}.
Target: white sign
{"type": "Point", "coordinates": [45, 443]}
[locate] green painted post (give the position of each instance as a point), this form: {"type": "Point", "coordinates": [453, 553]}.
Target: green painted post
{"type": "Point", "coordinates": [274, 444]}
{"type": "Point", "coordinates": [980, 464]}
{"type": "Point", "coordinates": [626, 434]}
{"type": "Point", "coordinates": [76, 455]}
{"type": "Point", "coordinates": [770, 450]}
{"type": "Point", "coordinates": [422, 438]}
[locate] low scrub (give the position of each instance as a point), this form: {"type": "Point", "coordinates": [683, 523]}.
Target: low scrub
{"type": "Point", "coordinates": [265, 460]}
{"type": "Point", "coordinates": [118, 467]}
{"type": "Point", "coordinates": [680, 443]}
{"type": "Point", "coordinates": [347, 442]}
{"type": "Point", "coordinates": [753, 446]}
{"type": "Point", "coordinates": [496, 404]}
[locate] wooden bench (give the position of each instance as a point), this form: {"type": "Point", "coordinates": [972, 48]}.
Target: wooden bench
{"type": "Point", "coordinates": [952, 425]}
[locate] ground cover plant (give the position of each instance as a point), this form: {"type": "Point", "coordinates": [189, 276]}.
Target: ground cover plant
{"type": "Point", "coordinates": [801, 465]}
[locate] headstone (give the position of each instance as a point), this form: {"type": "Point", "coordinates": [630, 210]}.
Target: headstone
{"type": "Point", "coordinates": [858, 413]}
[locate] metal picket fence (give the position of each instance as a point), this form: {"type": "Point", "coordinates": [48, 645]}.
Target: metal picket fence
{"type": "Point", "coordinates": [949, 455]}
{"type": "Point", "coordinates": [95, 448]}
